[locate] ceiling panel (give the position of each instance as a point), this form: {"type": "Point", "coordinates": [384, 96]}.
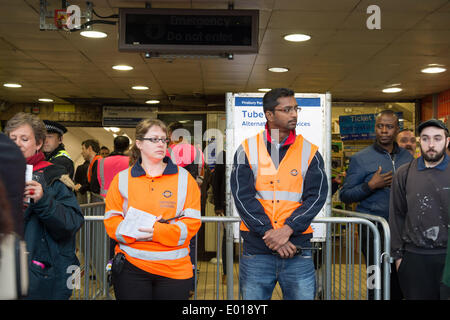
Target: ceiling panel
{"type": "Point", "coordinates": [281, 19]}
{"type": "Point", "coordinates": [314, 5]}
{"type": "Point", "coordinates": [436, 21]}
{"type": "Point", "coordinates": [389, 20]}
{"type": "Point", "coordinates": [403, 5]}
{"type": "Point", "coordinates": [343, 56]}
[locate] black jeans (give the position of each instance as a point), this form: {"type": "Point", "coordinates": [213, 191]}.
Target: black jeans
{"type": "Point", "coordinates": [420, 276]}
{"type": "Point", "coordinates": [133, 283]}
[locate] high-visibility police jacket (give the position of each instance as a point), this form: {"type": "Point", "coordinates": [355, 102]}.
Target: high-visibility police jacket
{"type": "Point", "coordinates": [61, 157]}
{"type": "Point", "coordinates": [273, 187]}
{"type": "Point", "coordinates": [61, 153]}
{"type": "Point", "coordinates": [91, 164]}
{"type": "Point", "coordinates": [174, 193]}
{"type": "Point", "coordinates": [107, 168]}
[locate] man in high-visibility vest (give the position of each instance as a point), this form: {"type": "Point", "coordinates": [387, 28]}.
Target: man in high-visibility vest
{"type": "Point", "coordinates": [89, 150]}
{"type": "Point", "coordinates": [279, 185]}
{"type": "Point", "coordinates": [54, 148]}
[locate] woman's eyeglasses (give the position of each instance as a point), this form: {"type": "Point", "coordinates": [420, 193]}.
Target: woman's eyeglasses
{"type": "Point", "coordinates": [155, 140]}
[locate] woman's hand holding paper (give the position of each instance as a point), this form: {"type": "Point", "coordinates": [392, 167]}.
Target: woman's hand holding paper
{"type": "Point", "coordinates": [149, 231]}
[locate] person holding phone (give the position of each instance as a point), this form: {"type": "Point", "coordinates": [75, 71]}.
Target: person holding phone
{"type": "Point", "coordinates": [52, 217]}
{"type": "Point", "coordinates": [154, 263]}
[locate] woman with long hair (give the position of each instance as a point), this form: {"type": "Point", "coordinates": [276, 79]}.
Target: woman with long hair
{"type": "Point", "coordinates": [163, 200]}
{"type": "Point", "coordinates": [52, 215]}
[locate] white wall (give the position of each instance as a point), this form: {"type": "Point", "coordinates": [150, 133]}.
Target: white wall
{"type": "Point", "coordinates": [76, 135]}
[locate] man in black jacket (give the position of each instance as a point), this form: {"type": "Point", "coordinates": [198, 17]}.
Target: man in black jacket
{"type": "Point", "coordinates": [53, 147]}
{"type": "Point", "coordinates": [418, 215]}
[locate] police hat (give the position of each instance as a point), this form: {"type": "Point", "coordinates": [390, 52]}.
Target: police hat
{"type": "Point", "coordinates": [54, 127]}
{"type": "Point", "coordinates": [432, 123]}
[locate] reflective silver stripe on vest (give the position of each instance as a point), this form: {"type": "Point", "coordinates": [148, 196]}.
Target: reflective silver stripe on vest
{"type": "Point", "coordinates": [279, 195]}
{"type": "Point", "coordinates": [119, 236]}
{"type": "Point", "coordinates": [253, 153]}
{"type": "Point", "coordinates": [182, 189]}
{"type": "Point", "coordinates": [154, 255]}
{"type": "Point", "coordinates": [306, 153]}
{"type": "Point", "coordinates": [102, 177]}
{"type": "Point", "coordinates": [192, 213]}
{"type": "Point", "coordinates": [183, 232]}
{"type": "Point", "coordinates": [123, 189]}
{"type": "Point", "coordinates": [112, 213]}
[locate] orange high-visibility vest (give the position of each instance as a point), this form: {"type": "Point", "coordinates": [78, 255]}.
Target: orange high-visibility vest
{"type": "Point", "coordinates": [89, 173]}
{"type": "Point", "coordinates": [279, 190]}
{"type": "Point", "coordinates": [107, 168]}
{"type": "Point", "coordinates": [169, 195]}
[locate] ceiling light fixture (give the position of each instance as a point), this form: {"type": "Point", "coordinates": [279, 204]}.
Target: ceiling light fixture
{"type": "Point", "coordinates": [152, 101]}
{"type": "Point", "coordinates": [12, 85]}
{"type": "Point", "coordinates": [297, 37]}
{"type": "Point", "coordinates": [93, 34]}
{"type": "Point", "coordinates": [392, 90]}
{"type": "Point", "coordinates": [278, 69]}
{"type": "Point", "coordinates": [139, 88]}
{"type": "Point", "coordinates": [45, 100]}
{"type": "Point", "coordinates": [434, 68]}
{"type": "Point", "coordinates": [122, 67]}
{"type": "Point", "coordinates": [264, 89]}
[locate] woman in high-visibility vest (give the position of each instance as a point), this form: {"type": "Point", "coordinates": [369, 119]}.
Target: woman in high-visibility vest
{"type": "Point", "coordinates": [152, 255]}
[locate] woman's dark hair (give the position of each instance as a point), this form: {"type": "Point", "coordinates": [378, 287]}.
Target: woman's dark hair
{"type": "Point", "coordinates": [270, 99]}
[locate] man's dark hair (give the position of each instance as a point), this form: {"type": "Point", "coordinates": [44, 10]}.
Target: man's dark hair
{"type": "Point", "coordinates": [104, 148]}
{"type": "Point", "coordinates": [121, 144]}
{"type": "Point", "coordinates": [91, 143]}
{"type": "Point", "coordinates": [270, 99]}
{"type": "Point", "coordinates": [174, 126]}
{"type": "Point", "coordinates": [391, 113]}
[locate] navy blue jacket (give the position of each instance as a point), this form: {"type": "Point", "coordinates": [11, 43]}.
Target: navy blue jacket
{"type": "Point", "coordinates": [242, 182]}
{"type": "Point", "coordinates": [362, 167]}
{"type": "Point", "coordinates": [50, 228]}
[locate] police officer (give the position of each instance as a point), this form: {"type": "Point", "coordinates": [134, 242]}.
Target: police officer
{"type": "Point", "coordinates": [53, 147]}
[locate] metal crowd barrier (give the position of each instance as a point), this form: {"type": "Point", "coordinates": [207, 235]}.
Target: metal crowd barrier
{"type": "Point", "coordinates": [341, 269]}
{"type": "Point", "coordinates": [385, 236]}
{"type": "Point", "coordinates": [343, 273]}
{"type": "Point", "coordinates": [92, 247]}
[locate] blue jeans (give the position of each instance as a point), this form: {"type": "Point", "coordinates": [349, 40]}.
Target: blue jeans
{"type": "Point", "coordinates": [258, 275]}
